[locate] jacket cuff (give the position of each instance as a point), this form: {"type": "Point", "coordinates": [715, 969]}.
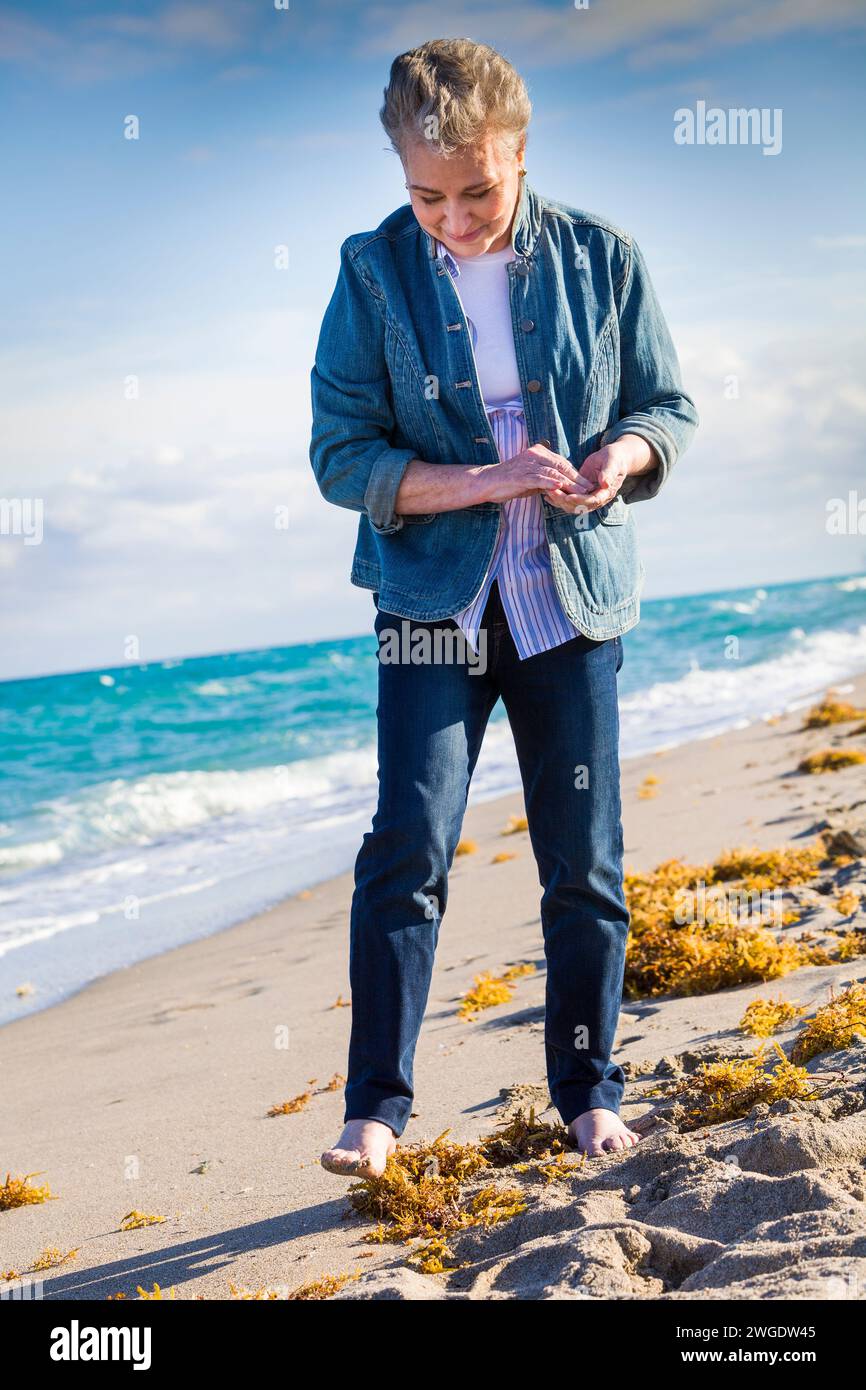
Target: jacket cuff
{"type": "Point", "coordinates": [643, 486]}
{"type": "Point", "coordinates": [382, 489]}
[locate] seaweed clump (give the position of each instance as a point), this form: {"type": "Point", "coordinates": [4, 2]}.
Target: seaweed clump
{"type": "Point", "coordinates": [851, 944]}
{"type": "Point", "coordinates": [847, 903]}
{"type": "Point", "coordinates": [515, 825]}
{"type": "Point", "coordinates": [19, 1192]}
{"type": "Point", "coordinates": [326, 1287]}
{"type": "Point", "coordinates": [831, 760]}
{"type": "Point", "coordinates": [764, 1017]}
{"type": "Point", "coordinates": [420, 1194]}
{"type": "Point", "coordinates": [490, 990]}
{"type": "Point", "coordinates": [728, 1090]}
{"type": "Point", "coordinates": [52, 1257]}
{"type": "Point", "coordinates": [836, 1025]}
{"type": "Point", "coordinates": [523, 1137]}
{"type": "Point", "coordinates": [293, 1106]}
{"type": "Point", "coordinates": [298, 1103]}
{"type": "Point", "coordinates": [831, 712]}
{"type": "Point", "coordinates": [135, 1220]}
{"type": "Point", "coordinates": [649, 787]}
{"type": "Point", "coordinates": [696, 929]}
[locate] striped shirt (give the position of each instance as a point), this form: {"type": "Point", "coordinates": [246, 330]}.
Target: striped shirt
{"type": "Point", "coordinates": [521, 558]}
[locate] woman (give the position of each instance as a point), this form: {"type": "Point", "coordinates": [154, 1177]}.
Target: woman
{"type": "Point", "coordinates": [494, 388]}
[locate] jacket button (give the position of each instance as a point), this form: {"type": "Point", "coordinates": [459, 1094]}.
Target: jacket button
{"type": "Point", "coordinates": [545, 443]}
{"type": "Point", "coordinates": [521, 268]}
{"type": "Point", "coordinates": [527, 325]}
{"type": "Point", "coordinates": [534, 385]}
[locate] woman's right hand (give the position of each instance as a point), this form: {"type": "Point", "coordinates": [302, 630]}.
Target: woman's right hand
{"type": "Point", "coordinates": [536, 469]}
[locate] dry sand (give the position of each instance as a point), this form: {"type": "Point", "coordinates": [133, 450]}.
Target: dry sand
{"type": "Point", "coordinates": [149, 1089]}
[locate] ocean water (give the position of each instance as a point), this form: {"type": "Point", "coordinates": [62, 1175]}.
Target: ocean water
{"type": "Point", "coordinates": [145, 806]}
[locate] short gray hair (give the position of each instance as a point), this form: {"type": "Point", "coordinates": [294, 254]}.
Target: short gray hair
{"type": "Point", "coordinates": [450, 93]}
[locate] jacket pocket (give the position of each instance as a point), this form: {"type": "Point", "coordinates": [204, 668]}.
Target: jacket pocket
{"type": "Point", "coordinates": [600, 560]}
{"type": "Point", "coordinates": [614, 514]}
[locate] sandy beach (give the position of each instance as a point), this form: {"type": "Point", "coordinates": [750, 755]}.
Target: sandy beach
{"type": "Point", "coordinates": [149, 1090]}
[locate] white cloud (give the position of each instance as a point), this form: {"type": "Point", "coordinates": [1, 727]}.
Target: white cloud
{"type": "Point", "coordinates": [104, 45]}
{"type": "Point", "coordinates": [218, 24]}
{"type": "Point", "coordinates": [665, 32]}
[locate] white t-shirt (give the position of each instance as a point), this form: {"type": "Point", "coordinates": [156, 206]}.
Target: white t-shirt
{"type": "Point", "coordinates": [483, 289]}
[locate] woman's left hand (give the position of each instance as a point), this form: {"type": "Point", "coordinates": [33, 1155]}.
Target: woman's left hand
{"type": "Point", "coordinates": [603, 473]}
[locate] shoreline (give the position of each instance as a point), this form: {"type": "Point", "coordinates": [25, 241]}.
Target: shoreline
{"type": "Point", "coordinates": [149, 1088]}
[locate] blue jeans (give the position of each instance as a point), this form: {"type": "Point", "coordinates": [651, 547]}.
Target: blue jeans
{"type": "Point", "coordinates": [562, 708]}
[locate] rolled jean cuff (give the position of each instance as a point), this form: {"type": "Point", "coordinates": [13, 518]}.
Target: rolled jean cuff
{"type": "Point", "coordinates": [382, 488]}
{"type": "Point", "coordinates": [393, 1111]}
{"type": "Point", "coordinates": [577, 1099]}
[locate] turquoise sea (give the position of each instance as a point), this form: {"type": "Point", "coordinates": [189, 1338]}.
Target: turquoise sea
{"type": "Point", "coordinates": [145, 806]}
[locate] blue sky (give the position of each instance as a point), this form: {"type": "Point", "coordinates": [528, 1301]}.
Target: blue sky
{"type": "Point", "coordinates": [155, 259]}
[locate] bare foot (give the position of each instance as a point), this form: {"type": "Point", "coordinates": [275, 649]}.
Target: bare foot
{"type": "Point", "coordinates": [597, 1132]}
{"type": "Point", "coordinates": [362, 1150]}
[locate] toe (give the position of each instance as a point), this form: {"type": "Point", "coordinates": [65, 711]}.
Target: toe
{"type": "Point", "coordinates": [340, 1160]}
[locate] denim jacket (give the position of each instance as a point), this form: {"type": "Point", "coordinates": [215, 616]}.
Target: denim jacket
{"type": "Point", "coordinates": [394, 379]}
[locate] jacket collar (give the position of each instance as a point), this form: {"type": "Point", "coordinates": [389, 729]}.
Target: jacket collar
{"type": "Point", "coordinates": [524, 229]}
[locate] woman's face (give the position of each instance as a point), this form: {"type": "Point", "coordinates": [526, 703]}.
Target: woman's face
{"type": "Point", "coordinates": [467, 199]}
